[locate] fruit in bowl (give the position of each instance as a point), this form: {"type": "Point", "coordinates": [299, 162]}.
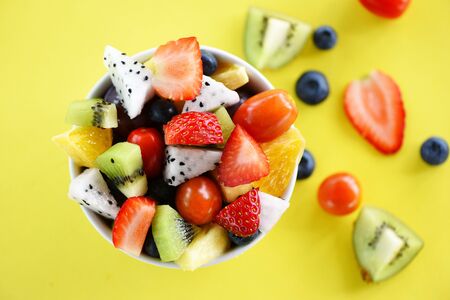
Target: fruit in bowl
{"type": "Point", "coordinates": [157, 151]}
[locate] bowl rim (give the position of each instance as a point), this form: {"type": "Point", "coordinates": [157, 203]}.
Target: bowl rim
{"type": "Point", "coordinates": [98, 90]}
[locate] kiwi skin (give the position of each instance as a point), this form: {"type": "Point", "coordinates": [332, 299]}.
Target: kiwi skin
{"type": "Point", "coordinates": [366, 228]}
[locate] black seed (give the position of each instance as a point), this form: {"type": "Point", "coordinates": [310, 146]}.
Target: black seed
{"type": "Point", "coordinates": [122, 62]}
{"type": "Point", "coordinates": [114, 65]}
{"type": "Point", "coordinates": [112, 160]}
{"type": "Point", "coordinates": [182, 173]}
{"type": "Point", "coordinates": [216, 164]}
{"type": "Point", "coordinates": [113, 75]}
{"type": "Point", "coordinates": [123, 53]}
{"type": "Point", "coordinates": [169, 181]}
{"type": "Point", "coordinates": [173, 178]}
{"type": "Point", "coordinates": [135, 62]}
{"type": "Point", "coordinates": [129, 91]}
{"type": "Point", "coordinates": [187, 109]}
{"type": "Point", "coordinates": [193, 101]}
{"type": "Point", "coordinates": [85, 202]}
{"type": "Point", "coordinates": [104, 58]}
{"type": "Point", "coordinates": [110, 202]}
{"type": "Point", "coordinates": [206, 83]}
{"type": "Point", "coordinates": [201, 104]}
{"type": "Point", "coordinates": [182, 163]}
{"type": "Point", "coordinates": [172, 159]}
{"type": "Point", "coordinates": [100, 193]}
{"type": "Point", "coordinates": [145, 78]}
{"type": "Point", "coordinates": [99, 211]}
{"type": "Point", "coordinates": [138, 72]}
{"type": "Point", "coordinates": [142, 66]}
{"type": "Point", "coordinates": [91, 187]}
{"type": "Point", "coordinates": [131, 70]}
{"type": "Point", "coordinates": [85, 191]}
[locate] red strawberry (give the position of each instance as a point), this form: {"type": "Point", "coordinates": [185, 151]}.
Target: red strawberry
{"type": "Point", "coordinates": [243, 160]}
{"type": "Point", "coordinates": [241, 217]}
{"type": "Point", "coordinates": [375, 108]}
{"type": "Point", "coordinates": [177, 69]}
{"type": "Point", "coordinates": [132, 223]}
{"type": "Point", "coordinates": [193, 128]}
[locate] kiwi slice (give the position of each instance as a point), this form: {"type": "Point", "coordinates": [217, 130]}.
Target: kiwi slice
{"type": "Point", "coordinates": [225, 122]}
{"type": "Point", "coordinates": [122, 163]}
{"type": "Point", "coordinates": [272, 39]}
{"type": "Point", "coordinates": [383, 244]}
{"type": "Point", "coordinates": [171, 233]}
{"type": "Point", "coordinates": [93, 112]}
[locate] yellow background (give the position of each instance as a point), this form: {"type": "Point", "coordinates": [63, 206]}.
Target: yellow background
{"type": "Point", "coordinates": [51, 54]}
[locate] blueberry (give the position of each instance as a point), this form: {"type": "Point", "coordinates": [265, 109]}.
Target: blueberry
{"type": "Point", "coordinates": [162, 111]}
{"type": "Point", "coordinates": [209, 62]}
{"type": "Point", "coordinates": [325, 37]}
{"type": "Point", "coordinates": [244, 94]}
{"type": "Point", "coordinates": [150, 245]}
{"type": "Point", "coordinates": [159, 190]}
{"type": "Point", "coordinates": [434, 151]}
{"type": "Point", "coordinates": [312, 87]}
{"type": "Point", "coordinates": [242, 241]}
{"type": "Point", "coordinates": [306, 165]}
{"type": "Point", "coordinates": [111, 96]}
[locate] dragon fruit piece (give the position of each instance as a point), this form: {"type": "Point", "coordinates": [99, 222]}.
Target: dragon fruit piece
{"type": "Point", "coordinates": [213, 94]}
{"type": "Point", "coordinates": [272, 208]}
{"type": "Point", "coordinates": [132, 80]}
{"type": "Point", "coordinates": [184, 163]}
{"type": "Point", "coordinates": [91, 191]}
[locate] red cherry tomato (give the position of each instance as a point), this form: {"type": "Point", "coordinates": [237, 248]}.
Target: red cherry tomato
{"type": "Point", "coordinates": [199, 200]}
{"type": "Point", "coordinates": [339, 194]}
{"type": "Point", "coordinates": [386, 8]}
{"type": "Point", "coordinates": [267, 115]}
{"type": "Point", "coordinates": [152, 149]}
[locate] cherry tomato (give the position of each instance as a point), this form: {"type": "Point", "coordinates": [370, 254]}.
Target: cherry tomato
{"type": "Point", "coordinates": [199, 200]}
{"type": "Point", "coordinates": [339, 194]}
{"type": "Point", "coordinates": [386, 8]}
{"type": "Point", "coordinates": [267, 115]}
{"type": "Point", "coordinates": [152, 149]}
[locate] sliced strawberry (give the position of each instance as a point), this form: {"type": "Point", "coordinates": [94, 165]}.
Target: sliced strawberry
{"type": "Point", "coordinates": [241, 217]}
{"type": "Point", "coordinates": [177, 69]}
{"type": "Point", "coordinates": [375, 108]}
{"type": "Point", "coordinates": [193, 128]}
{"type": "Point", "coordinates": [132, 224]}
{"type": "Point", "coordinates": [243, 160]}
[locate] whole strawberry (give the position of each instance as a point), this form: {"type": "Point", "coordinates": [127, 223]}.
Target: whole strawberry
{"type": "Point", "coordinates": [242, 216]}
{"type": "Point", "coordinates": [193, 128]}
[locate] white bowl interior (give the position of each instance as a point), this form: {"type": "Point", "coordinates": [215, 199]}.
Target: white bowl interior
{"type": "Point", "coordinates": [258, 83]}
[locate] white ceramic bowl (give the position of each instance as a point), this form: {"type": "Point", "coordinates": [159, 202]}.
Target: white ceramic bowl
{"type": "Point", "coordinates": [258, 83]}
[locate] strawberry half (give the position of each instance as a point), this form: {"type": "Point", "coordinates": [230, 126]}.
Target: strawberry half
{"type": "Point", "coordinates": [177, 69]}
{"type": "Point", "coordinates": [132, 224]}
{"type": "Point", "coordinates": [375, 108]}
{"type": "Point", "coordinates": [193, 128]}
{"type": "Point", "coordinates": [243, 160]}
{"type": "Point", "coordinates": [241, 217]}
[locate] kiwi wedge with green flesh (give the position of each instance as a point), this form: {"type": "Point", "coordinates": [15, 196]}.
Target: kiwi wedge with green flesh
{"type": "Point", "coordinates": [226, 124]}
{"type": "Point", "coordinates": [272, 39]}
{"type": "Point", "coordinates": [122, 164]}
{"type": "Point", "coordinates": [92, 112]}
{"type": "Point", "coordinates": [383, 244]}
{"type": "Point", "coordinates": [172, 234]}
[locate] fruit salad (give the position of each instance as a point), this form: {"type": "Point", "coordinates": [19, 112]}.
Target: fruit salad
{"type": "Point", "coordinates": [182, 155]}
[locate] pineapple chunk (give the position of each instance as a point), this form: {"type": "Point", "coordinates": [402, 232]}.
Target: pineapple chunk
{"type": "Point", "coordinates": [84, 144]}
{"type": "Point", "coordinates": [211, 242]}
{"type": "Point", "coordinates": [232, 76]}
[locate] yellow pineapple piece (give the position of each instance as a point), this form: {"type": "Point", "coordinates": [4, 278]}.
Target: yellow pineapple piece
{"type": "Point", "coordinates": [232, 76]}
{"type": "Point", "coordinates": [231, 193]}
{"type": "Point", "coordinates": [282, 153]}
{"type": "Point", "coordinates": [84, 144]}
{"type": "Point", "coordinates": [211, 242]}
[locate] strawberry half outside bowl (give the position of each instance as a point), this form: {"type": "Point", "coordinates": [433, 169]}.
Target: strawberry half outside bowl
{"type": "Point", "coordinates": [257, 83]}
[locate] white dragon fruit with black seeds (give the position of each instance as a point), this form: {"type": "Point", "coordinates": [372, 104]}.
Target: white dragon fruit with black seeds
{"type": "Point", "coordinates": [213, 94]}
{"type": "Point", "coordinates": [272, 208]}
{"type": "Point", "coordinates": [91, 191]}
{"type": "Point", "coordinates": [131, 79]}
{"type": "Point", "coordinates": [184, 163]}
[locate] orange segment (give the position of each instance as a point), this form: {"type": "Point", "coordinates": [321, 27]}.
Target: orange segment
{"type": "Point", "coordinates": [282, 153]}
{"type": "Point", "coordinates": [84, 144]}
